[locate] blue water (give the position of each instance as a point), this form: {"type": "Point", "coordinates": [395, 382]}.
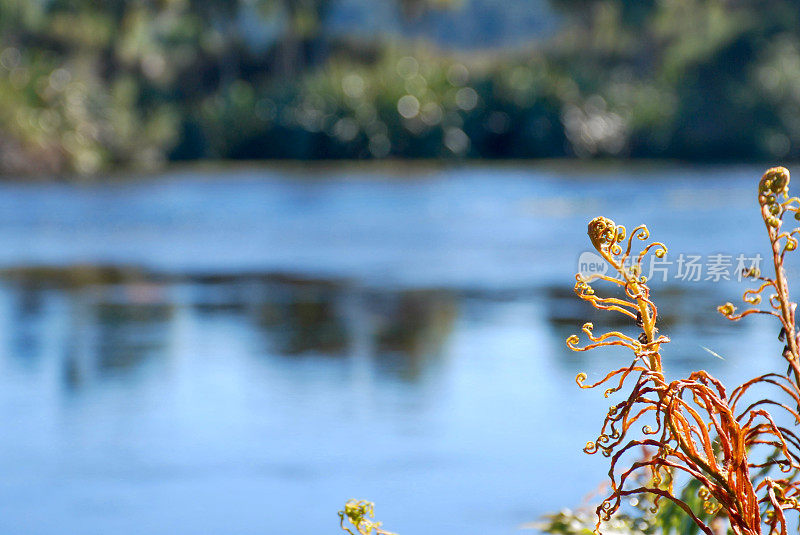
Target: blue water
{"type": "Point", "coordinates": [241, 351]}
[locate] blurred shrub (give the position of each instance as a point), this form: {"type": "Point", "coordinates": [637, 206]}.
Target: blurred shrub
{"type": "Point", "coordinates": [414, 105]}
{"type": "Point", "coordinates": [87, 85]}
{"type": "Point", "coordinates": [638, 518]}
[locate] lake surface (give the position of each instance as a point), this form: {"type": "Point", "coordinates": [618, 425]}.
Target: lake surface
{"type": "Point", "coordinates": [240, 352]}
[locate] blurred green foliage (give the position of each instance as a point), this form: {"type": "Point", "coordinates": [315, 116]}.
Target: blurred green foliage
{"type": "Point", "coordinates": [90, 85]}
{"type": "Point", "coordinates": [639, 518]}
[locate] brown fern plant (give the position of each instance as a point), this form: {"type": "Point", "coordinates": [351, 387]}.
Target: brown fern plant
{"type": "Point", "coordinates": [743, 458]}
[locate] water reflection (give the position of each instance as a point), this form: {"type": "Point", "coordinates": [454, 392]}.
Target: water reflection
{"type": "Point", "coordinates": [203, 349]}
{"type": "Point", "coordinates": [120, 336]}
{"type": "Point", "coordinates": [119, 319]}
{"type": "Point", "coordinates": [413, 325]}
{"type": "Point", "coordinates": [303, 316]}
{"type": "Point", "coordinates": [263, 368]}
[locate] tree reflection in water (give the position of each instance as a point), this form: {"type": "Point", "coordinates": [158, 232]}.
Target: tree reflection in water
{"type": "Point", "coordinates": [117, 320]}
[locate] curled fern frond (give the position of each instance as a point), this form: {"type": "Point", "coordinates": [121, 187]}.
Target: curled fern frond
{"type": "Point", "coordinates": [694, 427]}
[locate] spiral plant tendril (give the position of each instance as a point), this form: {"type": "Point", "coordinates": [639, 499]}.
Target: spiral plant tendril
{"type": "Point", "coordinates": [744, 458]}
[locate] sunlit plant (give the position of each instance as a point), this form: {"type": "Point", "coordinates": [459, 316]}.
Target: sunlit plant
{"type": "Point", "coordinates": [731, 444]}
{"type": "Point", "coordinates": [733, 456]}
{"type": "Point", "coordinates": [360, 514]}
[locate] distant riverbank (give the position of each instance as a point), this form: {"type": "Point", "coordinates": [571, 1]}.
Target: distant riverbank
{"type": "Point", "coordinates": [87, 90]}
